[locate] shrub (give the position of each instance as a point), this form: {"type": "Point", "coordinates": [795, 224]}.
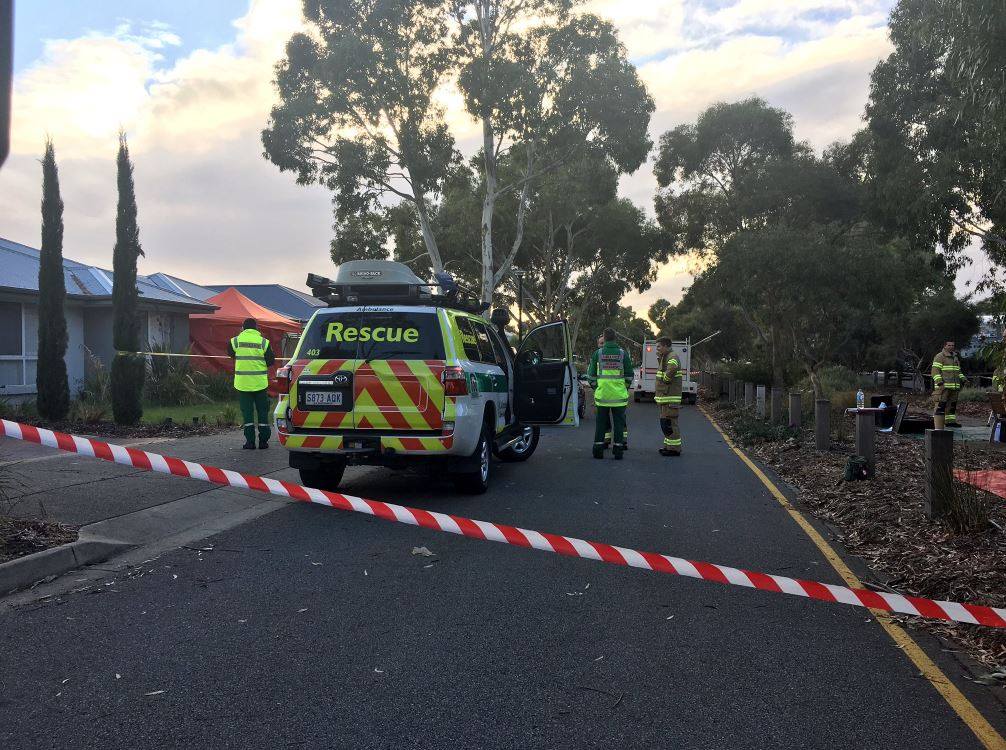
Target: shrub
{"type": "Point", "coordinates": [89, 412]}
{"type": "Point", "coordinates": [215, 386]}
{"type": "Point", "coordinates": [751, 430]}
{"type": "Point", "coordinates": [97, 388]}
{"type": "Point", "coordinates": [833, 379]}
{"type": "Point", "coordinates": [979, 395]}
{"type": "Point", "coordinates": [228, 416]}
{"type": "Point", "coordinates": [18, 411]}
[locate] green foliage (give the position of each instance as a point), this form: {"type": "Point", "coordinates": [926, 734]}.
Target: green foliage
{"type": "Point", "coordinates": [51, 378]}
{"type": "Point", "coordinates": [974, 395]}
{"type": "Point", "coordinates": [88, 412]}
{"type": "Point", "coordinates": [128, 370]}
{"type": "Point", "coordinates": [758, 373]}
{"type": "Point", "coordinates": [937, 126]}
{"type": "Point", "coordinates": [97, 388]}
{"type": "Point", "coordinates": [709, 172]}
{"type": "Point", "coordinates": [228, 416]}
{"type": "Point", "coordinates": [832, 379]}
{"type": "Point", "coordinates": [751, 431]}
{"type": "Point", "coordinates": [215, 386]}
{"type": "Point", "coordinates": [356, 113]}
{"type": "Point", "coordinates": [18, 411]}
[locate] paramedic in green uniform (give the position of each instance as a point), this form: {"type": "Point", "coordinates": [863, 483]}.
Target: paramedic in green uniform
{"type": "Point", "coordinates": [252, 359]}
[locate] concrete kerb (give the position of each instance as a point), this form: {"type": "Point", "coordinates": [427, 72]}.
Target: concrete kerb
{"type": "Point", "coordinates": [193, 517]}
{"type": "Point", "coordinates": [30, 569]}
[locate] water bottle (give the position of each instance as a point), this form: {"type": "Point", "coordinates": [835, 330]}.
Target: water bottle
{"type": "Point", "coordinates": [860, 399]}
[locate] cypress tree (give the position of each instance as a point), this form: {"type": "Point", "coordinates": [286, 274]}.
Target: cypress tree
{"type": "Point", "coordinates": [128, 370]}
{"type": "Point", "coordinates": [51, 380]}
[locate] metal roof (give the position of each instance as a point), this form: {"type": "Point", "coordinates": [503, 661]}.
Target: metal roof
{"type": "Point", "coordinates": [19, 266]}
{"type": "Point", "coordinates": [278, 298]}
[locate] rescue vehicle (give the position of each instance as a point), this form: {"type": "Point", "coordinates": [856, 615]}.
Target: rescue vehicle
{"type": "Point", "coordinates": [397, 372]}
{"type": "Point", "coordinates": [645, 381]}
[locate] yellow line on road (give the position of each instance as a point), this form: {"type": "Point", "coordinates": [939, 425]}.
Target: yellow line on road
{"type": "Point", "coordinates": [964, 708]}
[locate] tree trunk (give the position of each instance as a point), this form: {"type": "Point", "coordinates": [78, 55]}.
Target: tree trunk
{"type": "Point", "coordinates": [488, 206]}
{"type": "Point", "coordinates": [428, 237]}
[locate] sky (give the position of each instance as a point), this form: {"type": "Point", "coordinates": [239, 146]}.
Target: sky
{"type": "Point", "coordinates": [191, 84]}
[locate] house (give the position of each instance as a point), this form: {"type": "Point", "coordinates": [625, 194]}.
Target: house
{"type": "Point", "coordinates": [164, 318]}
{"type": "Point", "coordinates": [289, 303]}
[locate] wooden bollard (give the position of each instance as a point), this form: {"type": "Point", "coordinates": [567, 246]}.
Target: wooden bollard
{"type": "Point", "coordinates": [775, 406]}
{"type": "Point", "coordinates": [760, 398]}
{"type": "Point", "coordinates": [749, 394]}
{"type": "Point", "coordinates": [822, 424]}
{"type": "Point", "coordinates": [795, 409]}
{"type": "Point", "coordinates": [939, 471]}
{"type": "Point", "coordinates": [866, 425]}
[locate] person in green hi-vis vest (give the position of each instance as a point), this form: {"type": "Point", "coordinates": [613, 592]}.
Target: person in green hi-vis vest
{"type": "Point", "coordinates": [252, 359]}
{"type": "Point", "coordinates": [610, 374]}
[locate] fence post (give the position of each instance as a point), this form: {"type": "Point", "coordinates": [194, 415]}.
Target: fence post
{"type": "Point", "coordinates": [749, 394]}
{"type": "Point", "coordinates": [866, 425]}
{"type": "Point", "coordinates": [776, 406]}
{"type": "Point", "coordinates": [760, 397]}
{"type": "Point", "coordinates": [795, 408]}
{"type": "Point", "coordinates": [822, 424]}
{"type": "Point", "coordinates": [939, 471]}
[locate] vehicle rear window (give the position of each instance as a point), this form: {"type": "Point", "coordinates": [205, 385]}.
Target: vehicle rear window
{"type": "Point", "coordinates": [373, 335]}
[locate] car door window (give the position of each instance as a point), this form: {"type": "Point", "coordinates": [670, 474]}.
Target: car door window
{"type": "Point", "coordinates": [499, 347]}
{"type": "Point", "coordinates": [469, 340]}
{"type": "Point", "coordinates": [487, 352]}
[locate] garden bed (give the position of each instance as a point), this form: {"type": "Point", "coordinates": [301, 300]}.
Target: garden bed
{"type": "Point", "coordinates": [882, 521]}
{"type": "Point", "coordinates": [20, 537]}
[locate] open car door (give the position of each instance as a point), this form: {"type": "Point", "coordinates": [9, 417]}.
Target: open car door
{"type": "Point", "coordinates": [544, 383]}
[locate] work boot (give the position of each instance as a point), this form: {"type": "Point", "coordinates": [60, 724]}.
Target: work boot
{"type": "Point", "coordinates": [617, 455]}
{"type": "Point", "coordinates": [263, 445]}
{"type": "Point", "coordinates": [668, 452]}
{"type": "Point", "coordinates": [598, 450]}
{"type": "Point", "coordinates": [248, 446]}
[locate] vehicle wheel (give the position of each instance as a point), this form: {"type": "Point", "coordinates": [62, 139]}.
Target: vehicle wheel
{"type": "Point", "coordinates": [477, 482]}
{"type": "Point", "coordinates": [523, 448]}
{"type": "Point", "coordinates": [329, 477]}
{"type": "Point", "coordinates": [635, 397]}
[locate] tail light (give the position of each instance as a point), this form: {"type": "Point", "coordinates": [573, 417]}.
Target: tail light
{"type": "Point", "coordinates": [283, 379]}
{"type": "Point", "coordinates": [455, 382]}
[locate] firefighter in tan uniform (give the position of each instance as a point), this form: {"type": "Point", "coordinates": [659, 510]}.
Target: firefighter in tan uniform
{"type": "Point", "coordinates": [667, 394]}
{"type": "Point", "coordinates": [947, 382]}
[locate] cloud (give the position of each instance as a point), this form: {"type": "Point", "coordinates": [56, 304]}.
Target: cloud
{"type": "Point", "coordinates": [212, 209]}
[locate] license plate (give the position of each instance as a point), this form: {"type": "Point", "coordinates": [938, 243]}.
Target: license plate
{"type": "Point", "coordinates": [323, 398]}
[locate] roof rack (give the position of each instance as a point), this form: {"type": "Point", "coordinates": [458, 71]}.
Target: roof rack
{"type": "Point", "coordinates": [389, 283]}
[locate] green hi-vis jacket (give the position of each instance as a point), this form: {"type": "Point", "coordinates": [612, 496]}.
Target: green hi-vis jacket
{"type": "Point", "coordinates": [947, 371]}
{"type": "Point", "coordinates": [252, 358]}
{"type": "Point", "coordinates": [669, 379]}
{"type": "Point", "coordinates": [610, 373]}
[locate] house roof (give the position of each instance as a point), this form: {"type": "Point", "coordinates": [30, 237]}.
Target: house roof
{"type": "Point", "coordinates": [282, 299]}
{"type": "Point", "coordinates": [19, 266]}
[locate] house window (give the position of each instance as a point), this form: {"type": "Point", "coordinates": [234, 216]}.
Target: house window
{"type": "Point", "coordinates": [18, 344]}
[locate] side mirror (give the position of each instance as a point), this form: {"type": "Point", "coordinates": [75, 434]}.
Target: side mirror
{"type": "Point", "coordinates": [500, 317]}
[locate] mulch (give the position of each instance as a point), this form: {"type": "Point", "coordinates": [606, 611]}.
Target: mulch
{"type": "Point", "coordinates": [110, 429]}
{"type": "Point", "coordinates": [20, 537]}
{"type": "Point", "coordinates": [883, 522]}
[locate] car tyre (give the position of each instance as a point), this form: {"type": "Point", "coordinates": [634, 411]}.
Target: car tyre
{"type": "Point", "coordinates": [477, 482]}
{"type": "Point", "coordinates": [329, 477]}
{"type": "Point", "coordinates": [523, 448]}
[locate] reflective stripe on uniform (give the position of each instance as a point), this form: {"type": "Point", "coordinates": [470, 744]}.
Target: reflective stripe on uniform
{"type": "Point", "coordinates": [673, 441]}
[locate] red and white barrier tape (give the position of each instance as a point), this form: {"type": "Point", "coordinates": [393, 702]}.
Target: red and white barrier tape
{"type": "Point", "coordinates": [494, 532]}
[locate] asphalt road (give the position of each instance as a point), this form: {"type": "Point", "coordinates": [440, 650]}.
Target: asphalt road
{"type": "Point", "coordinates": [312, 628]}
